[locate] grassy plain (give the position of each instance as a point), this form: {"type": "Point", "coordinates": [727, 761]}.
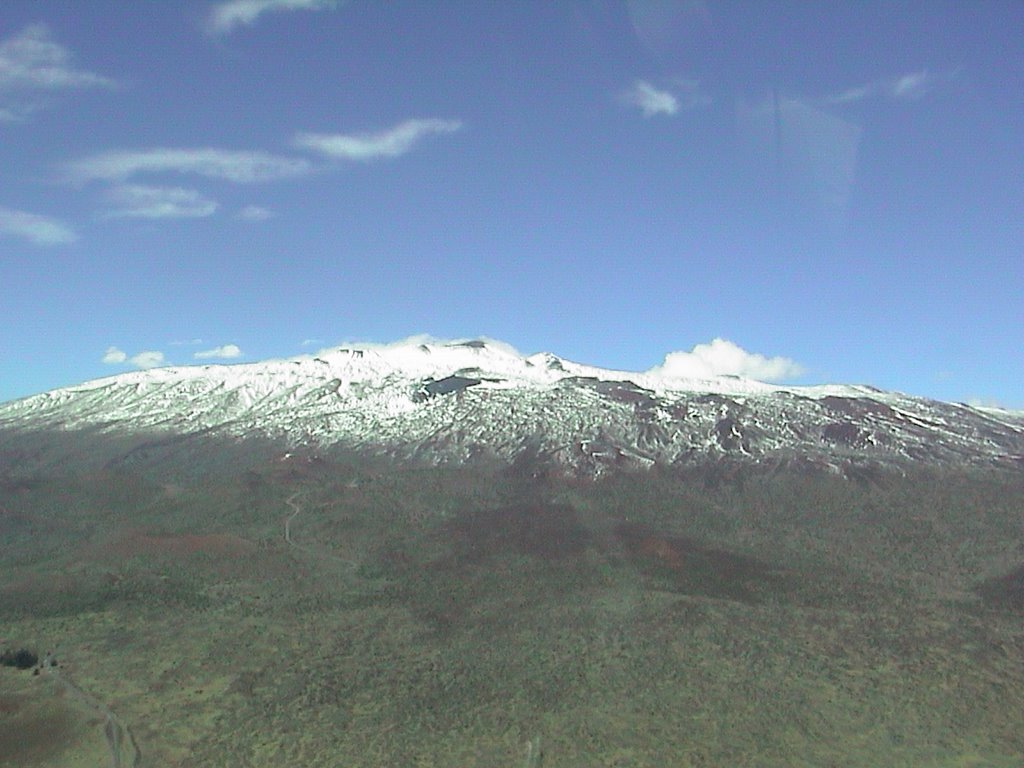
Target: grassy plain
{"type": "Point", "coordinates": [454, 617]}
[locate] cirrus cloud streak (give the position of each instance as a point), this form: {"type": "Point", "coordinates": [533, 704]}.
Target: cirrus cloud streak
{"type": "Point", "coordinates": [33, 60]}
{"type": "Point", "coordinates": [141, 202]}
{"type": "Point", "coordinates": [390, 142]}
{"type": "Point", "coordinates": [241, 167]}
{"type": "Point", "coordinates": [226, 16]}
{"type": "Point", "coordinates": [912, 85]}
{"type": "Point", "coordinates": [32, 67]}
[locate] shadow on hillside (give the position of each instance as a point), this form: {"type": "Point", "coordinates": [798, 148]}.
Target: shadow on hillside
{"type": "Point", "coordinates": [1006, 592]}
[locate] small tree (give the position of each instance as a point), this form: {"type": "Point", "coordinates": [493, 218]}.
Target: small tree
{"type": "Point", "coordinates": [21, 658]}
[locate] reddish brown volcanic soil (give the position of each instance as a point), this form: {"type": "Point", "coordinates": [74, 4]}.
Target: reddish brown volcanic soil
{"type": "Point", "coordinates": [176, 546]}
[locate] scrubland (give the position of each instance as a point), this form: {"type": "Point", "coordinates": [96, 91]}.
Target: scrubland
{"type": "Point", "coordinates": [457, 616]}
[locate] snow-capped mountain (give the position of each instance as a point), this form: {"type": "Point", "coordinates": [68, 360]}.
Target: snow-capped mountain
{"type": "Point", "coordinates": [447, 402]}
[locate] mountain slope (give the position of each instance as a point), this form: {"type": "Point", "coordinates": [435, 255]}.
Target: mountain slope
{"type": "Point", "coordinates": [480, 400]}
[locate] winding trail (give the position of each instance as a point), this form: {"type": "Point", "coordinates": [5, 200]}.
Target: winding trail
{"type": "Point", "coordinates": [290, 501]}
{"type": "Point", "coordinates": [296, 509]}
{"type": "Point", "coordinates": [124, 750]}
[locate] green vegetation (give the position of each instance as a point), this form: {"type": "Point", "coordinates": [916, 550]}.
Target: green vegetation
{"type": "Point", "coordinates": [438, 617]}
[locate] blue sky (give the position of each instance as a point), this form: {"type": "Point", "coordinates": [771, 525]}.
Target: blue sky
{"type": "Point", "coordinates": [835, 185]}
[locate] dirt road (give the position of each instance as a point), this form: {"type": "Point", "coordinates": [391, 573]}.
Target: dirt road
{"type": "Point", "coordinates": [124, 751]}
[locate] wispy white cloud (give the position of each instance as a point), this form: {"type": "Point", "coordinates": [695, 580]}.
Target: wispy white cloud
{"type": "Point", "coordinates": [390, 142]}
{"type": "Point", "coordinates": [186, 342]}
{"type": "Point", "coordinates": [851, 95]}
{"type": "Point", "coordinates": [33, 64]}
{"type": "Point", "coordinates": [311, 342]}
{"type": "Point", "coordinates": [912, 85]}
{"type": "Point", "coordinates": [724, 358]}
{"type": "Point", "coordinates": [650, 100]}
{"type": "Point", "coordinates": [32, 60]}
{"type": "Point", "coordinates": [225, 16]}
{"type": "Point", "coordinates": [255, 213]}
{"type": "Point", "coordinates": [241, 167]}
{"type": "Point", "coordinates": [148, 359]}
{"type": "Point", "coordinates": [135, 201]}
{"type": "Point", "coordinates": [114, 356]}
{"type": "Point", "coordinates": [225, 352]}
{"type": "Point", "coordinates": [38, 230]}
